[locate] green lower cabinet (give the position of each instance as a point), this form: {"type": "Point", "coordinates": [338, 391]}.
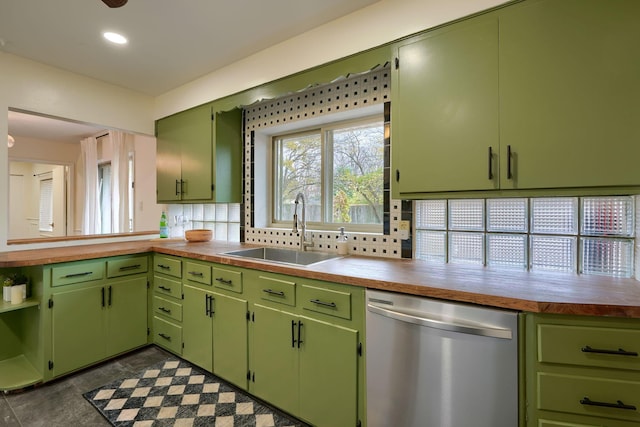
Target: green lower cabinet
{"type": "Point", "coordinates": [328, 374]}
{"type": "Point", "coordinates": [197, 328]}
{"type": "Point", "coordinates": [230, 341]}
{"type": "Point", "coordinates": [582, 371]}
{"type": "Point", "coordinates": [215, 333]}
{"type": "Point", "coordinates": [126, 315]}
{"type": "Point", "coordinates": [305, 366]}
{"type": "Point", "coordinates": [93, 322]}
{"type": "Point", "coordinates": [78, 325]}
{"type": "Point", "coordinates": [275, 357]}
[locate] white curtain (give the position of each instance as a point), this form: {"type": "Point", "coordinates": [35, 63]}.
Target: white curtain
{"type": "Point", "coordinates": [89, 171]}
{"type": "Point", "coordinates": [122, 148]}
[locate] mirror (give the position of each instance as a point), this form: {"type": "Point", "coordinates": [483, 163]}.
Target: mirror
{"type": "Point", "coordinates": [47, 194]}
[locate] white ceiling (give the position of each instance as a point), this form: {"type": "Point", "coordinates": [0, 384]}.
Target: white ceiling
{"type": "Point", "coordinates": [171, 42]}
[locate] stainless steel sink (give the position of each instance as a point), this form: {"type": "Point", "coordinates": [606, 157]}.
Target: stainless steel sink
{"type": "Point", "coordinates": [286, 256]}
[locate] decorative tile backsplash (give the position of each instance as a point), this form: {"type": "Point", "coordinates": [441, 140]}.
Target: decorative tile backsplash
{"type": "Point", "coordinates": [344, 94]}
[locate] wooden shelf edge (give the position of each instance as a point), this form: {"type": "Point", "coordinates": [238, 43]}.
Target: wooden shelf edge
{"type": "Point", "coordinates": [17, 372]}
{"type": "Point", "coordinates": [7, 306]}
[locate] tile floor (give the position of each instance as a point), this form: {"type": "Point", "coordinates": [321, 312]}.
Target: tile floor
{"type": "Point", "coordinates": [60, 403]}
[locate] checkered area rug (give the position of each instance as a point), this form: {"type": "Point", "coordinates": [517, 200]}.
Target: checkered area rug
{"type": "Point", "coordinates": [176, 393]}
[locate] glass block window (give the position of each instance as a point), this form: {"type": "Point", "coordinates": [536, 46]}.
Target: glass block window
{"type": "Point", "coordinates": [584, 235]}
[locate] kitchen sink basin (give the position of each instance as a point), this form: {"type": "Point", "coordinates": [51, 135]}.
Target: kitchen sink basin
{"type": "Point", "coordinates": [286, 256]}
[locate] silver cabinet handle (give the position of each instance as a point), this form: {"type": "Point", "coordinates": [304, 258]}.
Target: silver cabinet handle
{"type": "Point", "coordinates": [485, 331]}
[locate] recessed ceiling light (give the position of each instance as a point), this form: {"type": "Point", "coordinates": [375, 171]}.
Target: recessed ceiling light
{"type": "Point", "coordinates": [115, 38]}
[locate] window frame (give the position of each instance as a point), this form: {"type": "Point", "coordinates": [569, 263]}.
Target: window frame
{"type": "Point", "coordinates": [326, 179]}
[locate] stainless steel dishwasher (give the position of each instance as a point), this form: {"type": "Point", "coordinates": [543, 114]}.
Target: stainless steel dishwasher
{"type": "Point", "coordinates": [434, 363]}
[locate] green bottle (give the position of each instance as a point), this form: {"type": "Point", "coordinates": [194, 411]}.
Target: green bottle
{"type": "Point", "coordinates": [164, 229]}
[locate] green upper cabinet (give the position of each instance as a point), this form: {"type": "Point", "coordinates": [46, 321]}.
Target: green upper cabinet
{"type": "Point", "coordinates": [569, 92]}
{"type": "Point", "coordinates": [184, 156]}
{"type": "Point", "coordinates": [445, 110]}
{"type": "Point", "coordinates": [199, 156]}
{"type": "Point", "coordinates": [539, 96]}
{"type": "Point", "coordinates": [227, 165]}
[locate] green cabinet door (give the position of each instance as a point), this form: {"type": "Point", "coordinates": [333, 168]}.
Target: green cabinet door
{"type": "Point", "coordinates": [168, 159]}
{"type": "Point", "coordinates": [228, 156]}
{"type": "Point", "coordinates": [230, 342]}
{"type": "Point", "coordinates": [197, 329]}
{"type": "Point", "coordinates": [184, 155]}
{"type": "Point", "coordinates": [569, 93]}
{"type": "Point", "coordinates": [445, 110]}
{"type": "Point", "coordinates": [328, 374]}
{"type": "Point", "coordinates": [126, 314]}
{"type": "Point", "coordinates": [78, 328]}
{"type": "Point", "coordinates": [197, 154]}
{"type": "Point", "coordinates": [275, 357]}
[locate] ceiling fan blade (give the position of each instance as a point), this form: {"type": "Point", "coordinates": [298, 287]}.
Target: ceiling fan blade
{"type": "Point", "coordinates": [115, 3]}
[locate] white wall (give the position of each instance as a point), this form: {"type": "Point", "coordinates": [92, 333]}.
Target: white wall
{"type": "Point", "coordinates": [380, 23]}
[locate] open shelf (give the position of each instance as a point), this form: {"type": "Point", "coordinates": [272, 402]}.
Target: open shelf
{"type": "Point", "coordinates": [7, 306]}
{"type": "Point", "coordinates": [17, 372]}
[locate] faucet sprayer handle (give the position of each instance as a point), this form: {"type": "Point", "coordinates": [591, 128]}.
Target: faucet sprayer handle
{"type": "Point", "coordinates": [295, 223]}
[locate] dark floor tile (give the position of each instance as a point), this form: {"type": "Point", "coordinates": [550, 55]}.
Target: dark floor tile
{"type": "Point", "coordinates": [143, 358]}
{"type": "Point", "coordinates": [49, 405]}
{"type": "Point", "coordinates": [7, 418]}
{"type": "Point", "coordinates": [59, 403]}
{"type": "Point", "coordinates": [97, 376]}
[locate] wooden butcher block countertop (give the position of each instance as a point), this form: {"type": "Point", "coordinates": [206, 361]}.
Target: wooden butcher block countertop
{"type": "Point", "coordinates": [518, 290]}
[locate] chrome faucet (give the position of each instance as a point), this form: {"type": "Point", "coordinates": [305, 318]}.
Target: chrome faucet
{"type": "Point", "coordinates": [304, 244]}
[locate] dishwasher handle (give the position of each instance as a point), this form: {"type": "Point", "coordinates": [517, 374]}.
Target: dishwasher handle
{"type": "Point", "coordinates": [485, 331]}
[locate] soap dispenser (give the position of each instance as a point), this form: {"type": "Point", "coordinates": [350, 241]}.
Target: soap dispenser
{"type": "Point", "coordinates": [343, 248]}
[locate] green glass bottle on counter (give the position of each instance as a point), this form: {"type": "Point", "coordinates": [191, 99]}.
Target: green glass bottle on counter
{"type": "Point", "coordinates": [164, 228]}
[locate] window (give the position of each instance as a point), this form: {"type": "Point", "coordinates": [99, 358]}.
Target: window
{"type": "Point", "coordinates": [45, 219]}
{"type": "Point", "coordinates": [338, 168]}
{"type": "Point", "coordinates": [104, 195]}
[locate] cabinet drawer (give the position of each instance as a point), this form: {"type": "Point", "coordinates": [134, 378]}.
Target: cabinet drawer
{"type": "Point", "coordinates": [169, 287]}
{"type": "Point", "coordinates": [587, 396]}
{"type": "Point", "coordinates": [167, 265]}
{"type": "Point", "coordinates": [227, 279]}
{"type": "Point", "coordinates": [200, 273]}
{"type": "Point", "coordinates": [167, 334]}
{"type": "Point", "coordinates": [125, 267]}
{"type": "Point", "coordinates": [167, 308]}
{"type": "Point", "coordinates": [589, 346]}
{"type": "Point", "coordinates": [549, 423]}
{"type": "Point", "coordinates": [278, 290]}
{"type": "Point", "coordinates": [327, 301]}
{"type": "Point", "coordinates": [76, 273]}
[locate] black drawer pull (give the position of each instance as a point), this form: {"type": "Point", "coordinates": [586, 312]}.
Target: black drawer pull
{"type": "Point", "coordinates": [130, 267]}
{"type": "Point", "coordinates": [166, 310]}
{"type": "Point", "coordinates": [272, 292]}
{"type": "Point", "coordinates": [617, 405]}
{"type": "Point", "coordinates": [166, 337]}
{"type": "Point", "coordinates": [164, 288]}
{"type": "Point", "coordinates": [164, 267]}
{"type": "Point", "coordinates": [196, 273]}
{"type": "Point", "coordinates": [224, 282]}
{"type": "Point", "coordinates": [86, 273]}
{"type": "Point", "coordinates": [618, 352]}
{"type": "Point", "coordinates": [326, 304]}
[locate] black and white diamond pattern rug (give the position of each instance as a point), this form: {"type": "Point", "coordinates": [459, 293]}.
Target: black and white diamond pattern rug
{"type": "Point", "coordinates": [176, 393]}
